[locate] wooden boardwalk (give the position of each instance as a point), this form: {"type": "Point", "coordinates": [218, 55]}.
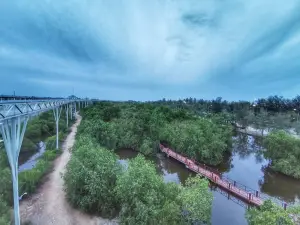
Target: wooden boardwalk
{"type": "Point", "coordinates": [251, 197]}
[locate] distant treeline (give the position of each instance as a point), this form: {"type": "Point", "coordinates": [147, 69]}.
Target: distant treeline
{"type": "Point", "coordinates": [273, 104]}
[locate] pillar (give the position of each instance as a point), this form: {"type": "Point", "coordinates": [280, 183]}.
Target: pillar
{"type": "Point", "coordinates": [13, 133]}
{"type": "Point", "coordinates": [67, 114]}
{"type": "Point", "coordinates": [71, 111]}
{"type": "Point", "coordinates": [57, 112]}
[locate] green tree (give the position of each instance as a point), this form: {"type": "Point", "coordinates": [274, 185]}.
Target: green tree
{"type": "Point", "coordinates": [140, 191]}
{"type": "Point", "coordinates": [90, 178]}
{"type": "Point", "coordinates": [201, 139]}
{"type": "Point", "coordinates": [268, 214]}
{"type": "Point", "coordinates": [196, 200]}
{"type": "Point", "coordinates": [283, 150]}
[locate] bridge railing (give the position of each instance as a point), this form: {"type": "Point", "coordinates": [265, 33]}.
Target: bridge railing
{"type": "Point", "coordinates": [234, 183]}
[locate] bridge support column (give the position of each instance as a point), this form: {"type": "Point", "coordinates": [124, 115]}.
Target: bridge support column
{"type": "Point", "coordinates": [13, 133]}
{"type": "Point", "coordinates": [57, 112]}
{"type": "Point", "coordinates": [67, 114]}
{"type": "Point", "coordinates": [71, 111]}
{"type": "Point", "coordinates": [75, 107]}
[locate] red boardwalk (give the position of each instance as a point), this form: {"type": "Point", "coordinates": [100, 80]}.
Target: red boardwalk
{"type": "Point", "coordinates": [252, 198]}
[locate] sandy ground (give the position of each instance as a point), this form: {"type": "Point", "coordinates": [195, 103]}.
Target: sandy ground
{"type": "Point", "coordinates": [49, 205]}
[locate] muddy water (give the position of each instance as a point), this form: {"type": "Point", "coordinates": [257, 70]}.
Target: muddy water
{"type": "Point", "coordinates": [246, 165]}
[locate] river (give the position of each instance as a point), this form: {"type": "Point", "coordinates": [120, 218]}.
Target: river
{"type": "Point", "coordinates": [245, 166]}
{"type": "Point", "coordinates": [28, 161]}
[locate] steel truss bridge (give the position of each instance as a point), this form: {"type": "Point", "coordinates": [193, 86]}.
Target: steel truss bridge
{"type": "Point", "coordinates": [15, 111]}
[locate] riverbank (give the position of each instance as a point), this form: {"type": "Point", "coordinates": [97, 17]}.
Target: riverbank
{"type": "Point", "coordinates": [259, 133]}
{"type": "Point", "coordinates": [49, 205]}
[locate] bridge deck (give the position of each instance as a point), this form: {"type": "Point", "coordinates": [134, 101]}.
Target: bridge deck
{"type": "Point", "coordinates": [215, 178]}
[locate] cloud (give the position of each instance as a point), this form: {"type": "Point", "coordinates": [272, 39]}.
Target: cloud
{"type": "Point", "coordinates": [150, 49]}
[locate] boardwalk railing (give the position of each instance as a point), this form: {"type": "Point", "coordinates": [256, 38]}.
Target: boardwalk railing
{"type": "Point", "coordinates": [249, 195]}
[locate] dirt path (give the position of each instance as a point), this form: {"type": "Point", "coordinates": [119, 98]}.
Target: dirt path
{"type": "Point", "coordinates": [49, 205]}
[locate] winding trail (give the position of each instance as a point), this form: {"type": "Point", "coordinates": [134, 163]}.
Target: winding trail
{"type": "Point", "coordinates": [49, 205]}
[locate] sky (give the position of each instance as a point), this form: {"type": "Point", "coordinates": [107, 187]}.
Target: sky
{"type": "Point", "coordinates": [148, 50]}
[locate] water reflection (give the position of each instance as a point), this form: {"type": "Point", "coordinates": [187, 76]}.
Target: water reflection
{"type": "Point", "coordinates": [246, 165]}
{"type": "Point", "coordinates": [278, 185]}
{"type": "Point", "coordinates": [31, 162]}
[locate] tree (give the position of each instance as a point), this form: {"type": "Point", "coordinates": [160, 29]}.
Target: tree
{"type": "Point", "coordinates": [201, 139]}
{"type": "Point", "coordinates": [91, 177]}
{"type": "Point", "coordinates": [268, 214]}
{"type": "Point", "coordinates": [283, 150]}
{"type": "Point", "coordinates": [196, 200]}
{"type": "Point", "coordinates": [142, 197]}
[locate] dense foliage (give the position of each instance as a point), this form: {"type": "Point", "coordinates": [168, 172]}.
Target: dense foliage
{"type": "Point", "coordinates": [141, 126]}
{"type": "Point", "coordinates": [271, 214]}
{"type": "Point", "coordinates": [273, 104]}
{"type": "Point", "coordinates": [201, 139]}
{"type": "Point", "coordinates": [284, 152]}
{"type": "Point", "coordinates": [41, 127]}
{"type": "Point", "coordinates": [273, 112]}
{"type": "Point", "coordinates": [29, 179]}
{"type": "Point", "coordinates": [95, 182]}
{"type": "Point", "coordinates": [5, 189]}
{"type": "Point", "coordinates": [91, 177]}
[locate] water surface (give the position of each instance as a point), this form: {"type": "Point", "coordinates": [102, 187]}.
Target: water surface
{"type": "Point", "coordinates": [246, 165]}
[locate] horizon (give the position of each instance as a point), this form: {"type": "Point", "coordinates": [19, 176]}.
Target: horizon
{"type": "Point", "coordinates": [180, 99]}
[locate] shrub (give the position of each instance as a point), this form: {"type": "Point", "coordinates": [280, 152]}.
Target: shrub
{"type": "Point", "coordinates": [268, 214]}
{"type": "Point", "coordinates": [201, 139]}
{"type": "Point", "coordinates": [29, 179]}
{"type": "Point", "coordinates": [284, 152]}
{"type": "Point", "coordinates": [90, 179]}
{"type": "Point", "coordinates": [4, 212]}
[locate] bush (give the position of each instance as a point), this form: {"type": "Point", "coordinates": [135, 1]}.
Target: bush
{"type": "Point", "coordinates": [4, 212]}
{"type": "Point", "coordinates": [284, 152]}
{"type": "Point", "coordinates": [90, 179]}
{"type": "Point", "coordinates": [29, 179]}
{"type": "Point", "coordinates": [200, 139]}
{"type": "Point", "coordinates": [28, 145]}
{"type": "Point", "coordinates": [196, 200]}
{"type": "Point", "coordinates": [268, 214]}
{"type": "Point", "coordinates": [138, 189]}
{"type": "Point", "coordinates": [51, 141]}
{"type": "Point", "coordinates": [50, 155]}
{"type": "Point", "coordinates": [146, 199]}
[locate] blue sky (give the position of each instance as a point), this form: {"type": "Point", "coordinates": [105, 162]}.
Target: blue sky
{"type": "Point", "coordinates": [147, 50]}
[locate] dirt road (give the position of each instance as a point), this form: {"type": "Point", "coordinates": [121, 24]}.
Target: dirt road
{"type": "Point", "coordinates": [49, 205]}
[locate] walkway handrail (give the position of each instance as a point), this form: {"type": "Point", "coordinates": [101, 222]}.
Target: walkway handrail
{"type": "Point", "coordinates": [248, 194]}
